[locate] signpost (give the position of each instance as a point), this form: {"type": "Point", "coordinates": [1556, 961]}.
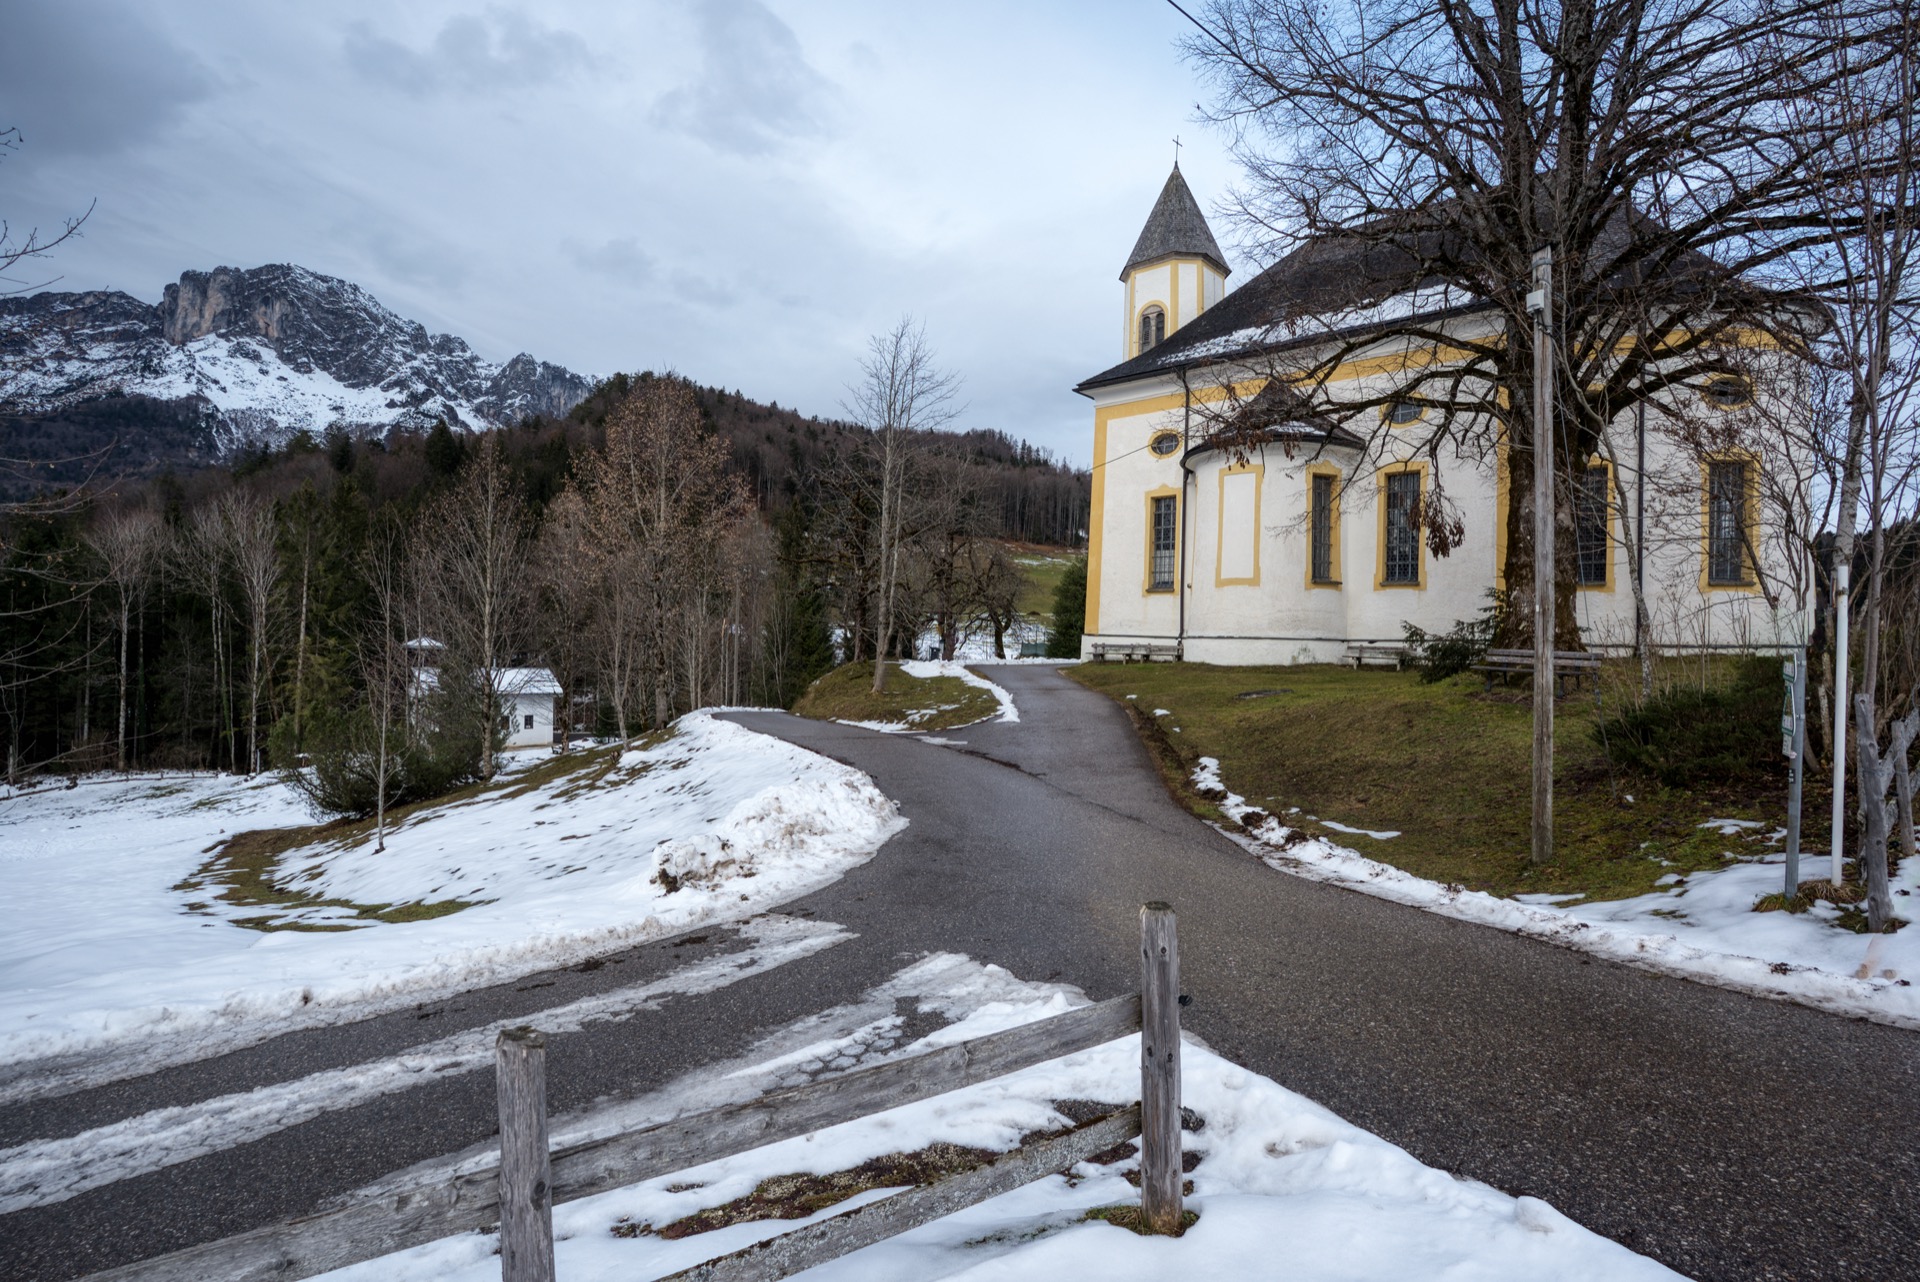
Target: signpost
{"type": "Point", "coordinates": [1793, 745]}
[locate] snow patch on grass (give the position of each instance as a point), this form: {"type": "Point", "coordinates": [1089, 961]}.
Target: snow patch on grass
{"type": "Point", "coordinates": [1699, 927]}
{"type": "Point", "coordinates": [1273, 1167]}
{"type": "Point", "coordinates": [115, 954]}
{"type": "Point", "coordinates": [955, 668]}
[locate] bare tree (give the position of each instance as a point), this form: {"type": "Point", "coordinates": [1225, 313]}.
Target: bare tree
{"type": "Point", "coordinates": [251, 536]}
{"type": "Point", "coordinates": [901, 391]}
{"type": "Point", "coordinates": [1864, 99]}
{"type": "Point", "coordinates": [1866, 271]}
{"type": "Point", "coordinates": [382, 659]}
{"type": "Point", "coordinates": [569, 596]}
{"type": "Point", "coordinates": [1414, 155]}
{"type": "Point", "coordinates": [34, 244]}
{"type": "Point", "coordinates": [129, 543]}
{"type": "Point", "coordinates": [997, 582]}
{"type": "Point", "coordinates": [201, 552]}
{"type": "Point", "coordinates": [472, 578]}
{"type": "Point", "coordinates": [665, 508]}
{"type": "Point", "coordinates": [948, 528]}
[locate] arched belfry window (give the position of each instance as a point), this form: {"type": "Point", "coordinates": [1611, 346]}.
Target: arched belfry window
{"type": "Point", "coordinates": [1153, 328]}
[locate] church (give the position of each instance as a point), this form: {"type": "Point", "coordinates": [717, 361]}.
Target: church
{"type": "Point", "coordinates": [1307, 547]}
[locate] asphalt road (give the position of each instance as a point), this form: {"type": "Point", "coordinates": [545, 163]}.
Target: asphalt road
{"type": "Point", "coordinates": [1728, 1136]}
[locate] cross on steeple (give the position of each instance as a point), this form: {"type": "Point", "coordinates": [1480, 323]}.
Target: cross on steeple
{"type": "Point", "coordinates": [1176, 151]}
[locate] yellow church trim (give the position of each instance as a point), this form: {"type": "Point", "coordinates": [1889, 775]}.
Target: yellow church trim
{"type": "Point", "coordinates": [1179, 528]}
{"type": "Point", "coordinates": [1419, 582]}
{"type": "Point", "coordinates": [1096, 523]}
{"type": "Point", "coordinates": [1333, 526]}
{"type": "Point", "coordinates": [1750, 502]}
{"type": "Point", "coordinates": [1146, 307]}
{"type": "Point", "coordinates": [1259, 471]}
{"type": "Point", "coordinates": [1615, 540]}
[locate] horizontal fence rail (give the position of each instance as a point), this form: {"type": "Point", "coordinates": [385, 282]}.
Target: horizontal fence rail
{"type": "Point", "coordinates": [426, 1212]}
{"type": "Point", "coordinates": [830, 1239]}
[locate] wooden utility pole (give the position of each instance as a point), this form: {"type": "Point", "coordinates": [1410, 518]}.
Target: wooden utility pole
{"type": "Point", "coordinates": [1540, 303]}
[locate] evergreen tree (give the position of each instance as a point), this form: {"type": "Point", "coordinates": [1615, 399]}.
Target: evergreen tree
{"type": "Point", "coordinates": [445, 452]}
{"type": "Point", "coordinates": [799, 641]}
{"type": "Point", "coordinates": [1069, 613]}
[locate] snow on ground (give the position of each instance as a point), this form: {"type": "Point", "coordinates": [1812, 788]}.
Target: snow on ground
{"type": "Point", "coordinates": [1701, 925]}
{"type": "Point", "coordinates": [44, 1171]}
{"type": "Point", "coordinates": [976, 645]}
{"type": "Point", "coordinates": [956, 668]}
{"type": "Point", "coordinates": [1275, 1168]}
{"type": "Point", "coordinates": [114, 944]}
{"type": "Point", "coordinates": [925, 668]}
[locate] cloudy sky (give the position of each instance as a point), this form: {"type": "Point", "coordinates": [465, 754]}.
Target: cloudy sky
{"type": "Point", "coordinates": [736, 189]}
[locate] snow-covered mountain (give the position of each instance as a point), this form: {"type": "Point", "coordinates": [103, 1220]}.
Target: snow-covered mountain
{"type": "Point", "coordinates": [269, 350]}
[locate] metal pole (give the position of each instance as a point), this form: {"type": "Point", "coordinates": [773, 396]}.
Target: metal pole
{"type": "Point", "coordinates": [1540, 303]}
{"type": "Point", "coordinates": [1798, 750]}
{"type": "Point", "coordinates": [1640, 533]}
{"type": "Point", "coordinates": [1842, 585]}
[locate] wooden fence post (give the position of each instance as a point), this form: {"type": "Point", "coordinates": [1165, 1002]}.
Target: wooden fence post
{"type": "Point", "coordinates": [1160, 1173]}
{"type": "Point", "coordinates": [526, 1186]}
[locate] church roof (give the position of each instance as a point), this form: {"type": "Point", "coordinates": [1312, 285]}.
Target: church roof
{"type": "Point", "coordinates": [1175, 229]}
{"type": "Point", "coordinates": [1313, 285]}
{"type": "Point", "coordinates": [1343, 284]}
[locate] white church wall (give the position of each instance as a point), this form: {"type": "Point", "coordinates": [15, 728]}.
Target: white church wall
{"type": "Point", "coordinates": [1129, 475]}
{"type": "Point", "coordinates": [1245, 547]}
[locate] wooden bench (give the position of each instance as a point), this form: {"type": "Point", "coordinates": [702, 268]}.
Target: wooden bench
{"type": "Point", "coordinates": [1568, 666]}
{"type": "Point", "coordinates": [1130, 651]}
{"type": "Point", "coordinates": [1361, 653]}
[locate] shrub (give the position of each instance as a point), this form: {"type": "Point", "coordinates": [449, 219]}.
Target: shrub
{"type": "Point", "coordinates": [1685, 736]}
{"type": "Point", "coordinates": [1069, 612]}
{"type": "Point", "coordinates": [1440, 655]}
{"type": "Point", "coordinates": [342, 776]}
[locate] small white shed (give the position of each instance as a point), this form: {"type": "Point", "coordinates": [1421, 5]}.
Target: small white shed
{"type": "Point", "coordinates": [527, 695]}
{"type": "Point", "coordinates": [527, 700]}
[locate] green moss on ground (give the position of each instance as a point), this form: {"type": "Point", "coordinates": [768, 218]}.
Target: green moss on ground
{"type": "Point", "coordinates": [924, 703]}
{"type": "Point", "coordinates": [1445, 765]}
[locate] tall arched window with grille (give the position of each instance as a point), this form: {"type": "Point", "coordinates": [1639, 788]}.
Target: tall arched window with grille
{"type": "Point", "coordinates": [1153, 328]}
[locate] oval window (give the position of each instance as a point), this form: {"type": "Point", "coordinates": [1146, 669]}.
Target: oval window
{"type": "Point", "coordinates": [1401, 413]}
{"type": "Point", "coordinates": [1164, 443]}
{"type": "Point", "coordinates": [1729, 393]}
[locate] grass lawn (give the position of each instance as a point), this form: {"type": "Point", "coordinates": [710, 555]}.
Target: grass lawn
{"type": "Point", "coordinates": [1445, 765]}
{"type": "Point", "coordinates": [1042, 568]}
{"type": "Point", "coordinates": [924, 703]}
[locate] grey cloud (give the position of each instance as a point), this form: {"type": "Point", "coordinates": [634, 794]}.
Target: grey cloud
{"type": "Point", "coordinates": [621, 258]}
{"type": "Point", "coordinates": [93, 79]}
{"type": "Point", "coordinates": [502, 48]}
{"type": "Point", "coordinates": [755, 90]}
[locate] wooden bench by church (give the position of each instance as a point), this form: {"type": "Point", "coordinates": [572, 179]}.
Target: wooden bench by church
{"type": "Point", "coordinates": [1569, 666]}
{"type": "Point", "coordinates": [1134, 651]}
{"type": "Point", "coordinates": [1385, 653]}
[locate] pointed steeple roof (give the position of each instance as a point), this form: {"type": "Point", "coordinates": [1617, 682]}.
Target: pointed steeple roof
{"type": "Point", "coordinates": [1175, 228]}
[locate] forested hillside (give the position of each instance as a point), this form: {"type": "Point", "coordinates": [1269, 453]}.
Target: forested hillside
{"type": "Point", "coordinates": [662, 546]}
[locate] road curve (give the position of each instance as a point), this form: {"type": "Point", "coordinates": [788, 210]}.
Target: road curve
{"type": "Point", "coordinates": [1729, 1136]}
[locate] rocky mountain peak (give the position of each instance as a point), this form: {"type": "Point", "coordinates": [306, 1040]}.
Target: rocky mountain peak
{"type": "Point", "coordinates": [273, 349]}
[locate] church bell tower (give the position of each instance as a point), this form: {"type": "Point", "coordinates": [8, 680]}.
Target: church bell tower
{"type": "Point", "coordinates": [1176, 270]}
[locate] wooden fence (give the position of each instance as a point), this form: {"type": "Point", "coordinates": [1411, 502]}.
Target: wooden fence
{"type": "Point", "coordinates": [518, 1193]}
